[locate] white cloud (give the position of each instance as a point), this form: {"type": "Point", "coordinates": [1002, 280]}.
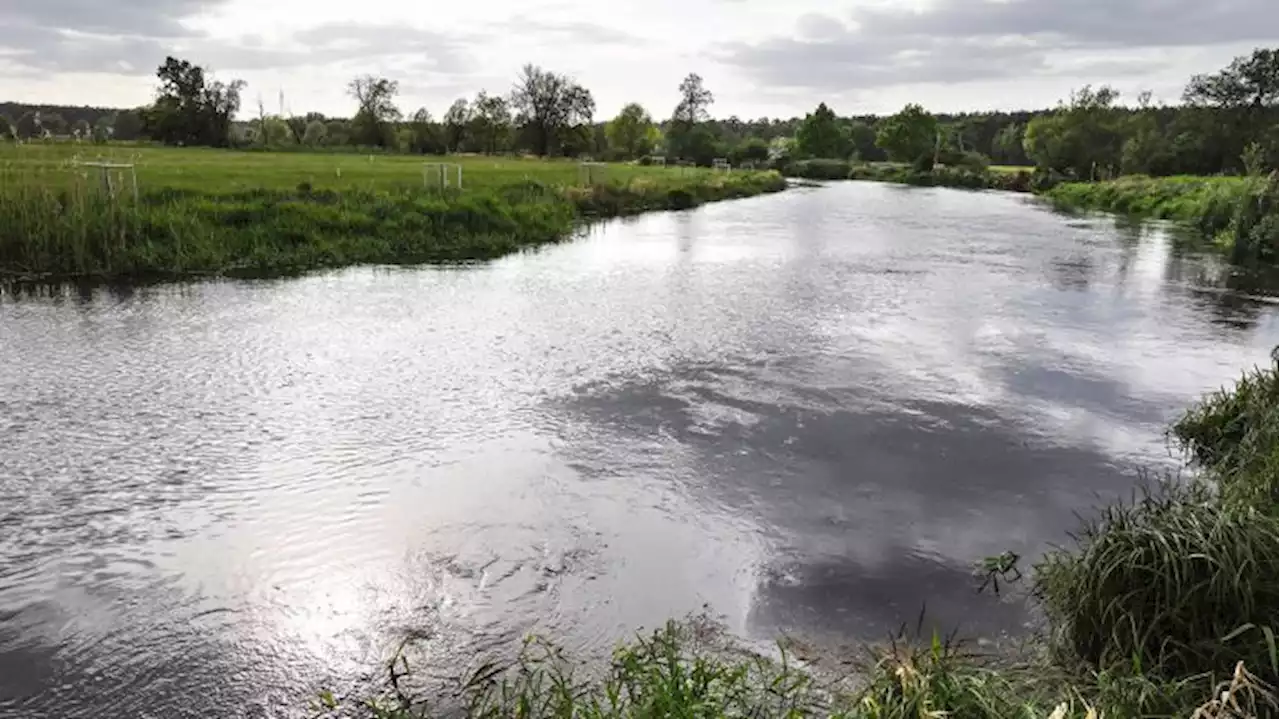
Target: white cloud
{"type": "Point", "coordinates": [759, 57]}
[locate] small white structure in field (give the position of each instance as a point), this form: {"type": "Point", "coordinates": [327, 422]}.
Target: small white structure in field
{"type": "Point", "coordinates": [437, 174]}
{"type": "Point", "coordinates": [591, 173]}
{"type": "Point", "coordinates": [659, 160]}
{"type": "Point", "coordinates": [721, 163]}
{"type": "Point", "coordinates": [113, 177]}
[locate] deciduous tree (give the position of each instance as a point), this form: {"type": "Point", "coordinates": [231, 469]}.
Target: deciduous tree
{"type": "Point", "coordinates": [820, 135]}
{"type": "Point", "coordinates": [549, 104]}
{"type": "Point", "coordinates": [190, 108]}
{"type": "Point", "coordinates": [632, 132]}
{"type": "Point", "coordinates": [908, 135]}
{"type": "Point", "coordinates": [376, 110]}
{"type": "Point", "coordinates": [456, 121]}
{"type": "Point", "coordinates": [490, 122]}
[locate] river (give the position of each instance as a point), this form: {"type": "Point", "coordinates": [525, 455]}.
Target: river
{"type": "Point", "coordinates": [810, 411]}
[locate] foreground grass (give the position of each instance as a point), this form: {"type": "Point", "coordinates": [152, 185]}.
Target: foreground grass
{"type": "Point", "coordinates": [1239, 213]}
{"type": "Point", "coordinates": [192, 213]}
{"type": "Point", "coordinates": [1164, 606]}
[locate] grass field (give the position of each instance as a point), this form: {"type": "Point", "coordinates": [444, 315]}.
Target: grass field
{"type": "Point", "coordinates": [213, 170]}
{"type": "Point", "coordinates": [204, 211]}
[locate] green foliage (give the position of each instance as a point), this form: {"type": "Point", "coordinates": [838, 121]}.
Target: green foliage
{"type": "Point", "coordinates": [908, 135]}
{"type": "Point", "coordinates": [753, 149]}
{"type": "Point", "coordinates": [456, 124]}
{"type": "Point", "coordinates": [1084, 137]}
{"type": "Point", "coordinates": [821, 136]}
{"type": "Point", "coordinates": [315, 133]}
{"type": "Point", "coordinates": [632, 133]}
{"type": "Point", "coordinates": [862, 142]}
{"type": "Point", "coordinates": [491, 122]}
{"type": "Point", "coordinates": [127, 126]}
{"type": "Point", "coordinates": [820, 169]}
{"type": "Point", "coordinates": [191, 109]}
{"type": "Point", "coordinates": [376, 112]}
{"type": "Point", "coordinates": [550, 105]}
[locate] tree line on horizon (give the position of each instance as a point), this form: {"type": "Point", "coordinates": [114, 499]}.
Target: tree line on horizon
{"type": "Point", "coordinates": [1226, 122]}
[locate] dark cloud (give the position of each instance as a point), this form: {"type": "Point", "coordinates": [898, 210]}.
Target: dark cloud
{"type": "Point", "coordinates": [38, 48]}
{"type": "Point", "coordinates": [969, 40]}
{"type": "Point", "coordinates": [1135, 23]}
{"type": "Point", "coordinates": [139, 18]}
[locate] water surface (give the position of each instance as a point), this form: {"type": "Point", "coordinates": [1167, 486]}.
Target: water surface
{"type": "Point", "coordinates": [811, 411]}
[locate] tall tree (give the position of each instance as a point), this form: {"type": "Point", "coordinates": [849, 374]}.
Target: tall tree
{"type": "Point", "coordinates": [456, 121]}
{"type": "Point", "coordinates": [1241, 99]}
{"type": "Point", "coordinates": [695, 98]}
{"type": "Point", "coordinates": [908, 135]}
{"type": "Point", "coordinates": [549, 104]}
{"type": "Point", "coordinates": [490, 121]}
{"type": "Point", "coordinates": [1084, 137]}
{"type": "Point", "coordinates": [190, 108]}
{"type": "Point", "coordinates": [632, 132]}
{"type": "Point", "coordinates": [376, 110]}
{"type": "Point", "coordinates": [820, 135]}
{"type": "Point", "coordinates": [688, 136]}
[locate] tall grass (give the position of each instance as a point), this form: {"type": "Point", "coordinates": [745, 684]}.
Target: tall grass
{"type": "Point", "coordinates": [1232, 435]}
{"type": "Point", "coordinates": [58, 223]}
{"type": "Point", "coordinates": [1164, 585]}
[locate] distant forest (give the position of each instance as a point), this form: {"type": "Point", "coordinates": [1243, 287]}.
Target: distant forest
{"type": "Point", "coordinates": [1226, 122]}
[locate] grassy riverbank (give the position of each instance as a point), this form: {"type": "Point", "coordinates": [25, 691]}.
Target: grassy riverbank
{"type": "Point", "coordinates": [1239, 213]}
{"type": "Point", "coordinates": [202, 211]}
{"type": "Point", "coordinates": [1164, 606]}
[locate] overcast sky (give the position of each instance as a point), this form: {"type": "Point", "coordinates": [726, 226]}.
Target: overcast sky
{"type": "Point", "coordinates": [759, 57]}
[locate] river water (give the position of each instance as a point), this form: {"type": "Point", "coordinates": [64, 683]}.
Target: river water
{"type": "Point", "coordinates": [810, 411]}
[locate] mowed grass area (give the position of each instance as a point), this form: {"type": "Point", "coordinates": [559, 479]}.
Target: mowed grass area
{"type": "Point", "coordinates": [214, 170]}
{"type": "Point", "coordinates": [205, 211]}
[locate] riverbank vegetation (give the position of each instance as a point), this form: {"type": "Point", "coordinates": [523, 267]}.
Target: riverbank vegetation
{"type": "Point", "coordinates": [202, 211]}
{"type": "Point", "coordinates": [1164, 605]}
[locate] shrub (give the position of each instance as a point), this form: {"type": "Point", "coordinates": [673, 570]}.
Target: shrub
{"type": "Point", "coordinates": [820, 169]}
{"type": "Point", "coordinates": [923, 163]}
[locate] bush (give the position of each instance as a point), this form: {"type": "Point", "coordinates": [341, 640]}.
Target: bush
{"type": "Point", "coordinates": [1164, 584]}
{"type": "Point", "coordinates": [973, 161]}
{"type": "Point", "coordinates": [820, 169]}
{"type": "Point", "coordinates": [923, 163]}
